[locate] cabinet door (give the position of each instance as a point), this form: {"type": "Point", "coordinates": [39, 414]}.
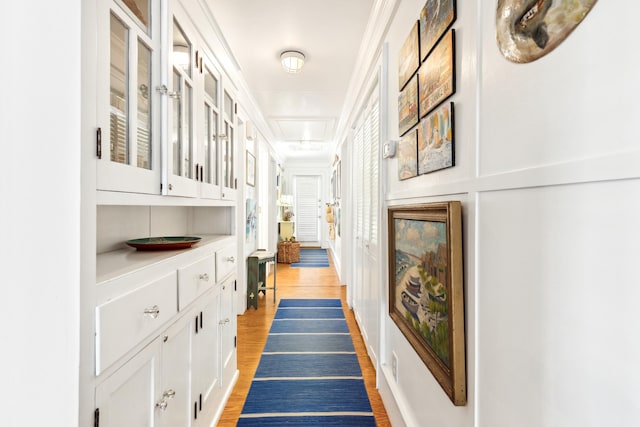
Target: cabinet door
{"type": "Point", "coordinates": [182, 79]}
{"type": "Point", "coordinates": [228, 326]}
{"type": "Point", "coordinates": [128, 397]}
{"type": "Point", "coordinates": [209, 153]}
{"type": "Point", "coordinates": [128, 110]}
{"type": "Point", "coordinates": [205, 352]}
{"type": "Point", "coordinates": [175, 395]}
{"type": "Point", "coordinates": [228, 146]}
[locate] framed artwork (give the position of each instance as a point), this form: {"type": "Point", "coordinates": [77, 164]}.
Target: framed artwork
{"type": "Point", "coordinates": [408, 156]}
{"type": "Point", "coordinates": [251, 169]}
{"type": "Point", "coordinates": [435, 18]}
{"type": "Point", "coordinates": [529, 30]}
{"type": "Point", "coordinates": [437, 74]}
{"type": "Point", "coordinates": [251, 225]}
{"type": "Point", "coordinates": [435, 140]}
{"type": "Point", "coordinates": [408, 106]}
{"type": "Point", "coordinates": [409, 59]}
{"type": "Point", "coordinates": [426, 298]}
{"type": "Point", "coordinates": [339, 180]}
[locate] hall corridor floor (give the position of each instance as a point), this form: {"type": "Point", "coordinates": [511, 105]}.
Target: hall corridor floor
{"type": "Point", "coordinates": [254, 325]}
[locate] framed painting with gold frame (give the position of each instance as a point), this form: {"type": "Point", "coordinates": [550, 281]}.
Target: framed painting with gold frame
{"type": "Point", "coordinates": [426, 298]}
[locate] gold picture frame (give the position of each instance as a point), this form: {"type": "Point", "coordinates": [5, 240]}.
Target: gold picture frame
{"type": "Point", "coordinates": [426, 296]}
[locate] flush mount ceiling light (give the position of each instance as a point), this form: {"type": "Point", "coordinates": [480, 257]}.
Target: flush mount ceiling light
{"type": "Point", "coordinates": [292, 61]}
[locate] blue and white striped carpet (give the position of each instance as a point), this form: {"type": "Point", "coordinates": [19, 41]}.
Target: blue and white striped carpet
{"type": "Point", "coordinates": [309, 372]}
{"type": "Point", "coordinates": [312, 258]}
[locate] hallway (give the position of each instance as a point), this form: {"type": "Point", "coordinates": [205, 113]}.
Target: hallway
{"type": "Point", "coordinates": [254, 325]}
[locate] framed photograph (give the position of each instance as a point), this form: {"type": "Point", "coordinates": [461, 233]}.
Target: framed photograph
{"type": "Point", "coordinates": [408, 156]}
{"type": "Point", "coordinates": [426, 298]}
{"type": "Point", "coordinates": [339, 180]}
{"type": "Point", "coordinates": [408, 106]}
{"type": "Point", "coordinates": [409, 58]}
{"type": "Point", "coordinates": [435, 18]}
{"type": "Point", "coordinates": [251, 169]}
{"type": "Point", "coordinates": [435, 140]}
{"type": "Point", "coordinates": [437, 75]}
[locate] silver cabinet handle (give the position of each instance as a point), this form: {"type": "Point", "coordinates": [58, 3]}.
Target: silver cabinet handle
{"type": "Point", "coordinates": [168, 394]}
{"type": "Point", "coordinates": [204, 277]}
{"type": "Point", "coordinates": [231, 259]}
{"type": "Point", "coordinates": [152, 312]}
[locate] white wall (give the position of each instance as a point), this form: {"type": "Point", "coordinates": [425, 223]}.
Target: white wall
{"type": "Point", "coordinates": [40, 189]}
{"type": "Point", "coordinates": [547, 172]}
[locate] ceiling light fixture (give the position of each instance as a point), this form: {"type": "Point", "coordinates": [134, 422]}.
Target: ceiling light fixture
{"type": "Point", "coordinates": [292, 61]}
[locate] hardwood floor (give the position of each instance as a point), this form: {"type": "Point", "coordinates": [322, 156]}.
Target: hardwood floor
{"type": "Point", "coordinates": [254, 325]}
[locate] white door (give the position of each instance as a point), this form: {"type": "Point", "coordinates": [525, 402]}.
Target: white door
{"type": "Point", "coordinates": [307, 206]}
{"type": "Point", "coordinates": [366, 292]}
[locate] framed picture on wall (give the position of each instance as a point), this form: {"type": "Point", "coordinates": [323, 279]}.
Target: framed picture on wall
{"type": "Point", "coordinates": [251, 169]}
{"type": "Point", "coordinates": [408, 156]}
{"type": "Point", "coordinates": [437, 74]}
{"type": "Point", "coordinates": [435, 18]}
{"type": "Point", "coordinates": [409, 58]}
{"type": "Point", "coordinates": [436, 140]}
{"type": "Point", "coordinates": [408, 106]}
{"type": "Point", "coordinates": [426, 298]}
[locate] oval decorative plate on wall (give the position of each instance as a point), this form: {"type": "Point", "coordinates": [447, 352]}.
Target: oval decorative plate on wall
{"type": "Point", "coordinates": [529, 29]}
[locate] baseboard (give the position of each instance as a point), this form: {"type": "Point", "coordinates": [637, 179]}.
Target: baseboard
{"type": "Point", "coordinates": [392, 397]}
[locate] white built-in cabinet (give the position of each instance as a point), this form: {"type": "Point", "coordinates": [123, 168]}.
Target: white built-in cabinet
{"type": "Point", "coordinates": [174, 370]}
{"type": "Point", "coordinates": [163, 323]}
{"type": "Point", "coordinates": [166, 112]}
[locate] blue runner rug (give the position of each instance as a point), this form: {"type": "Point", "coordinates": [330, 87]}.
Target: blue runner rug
{"type": "Point", "coordinates": [309, 372]}
{"type": "Point", "coordinates": [312, 258]}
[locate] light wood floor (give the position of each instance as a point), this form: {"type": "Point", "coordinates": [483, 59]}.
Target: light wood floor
{"type": "Point", "coordinates": [254, 325]}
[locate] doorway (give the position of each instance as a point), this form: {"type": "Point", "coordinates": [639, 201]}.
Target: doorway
{"type": "Point", "coordinates": [307, 204]}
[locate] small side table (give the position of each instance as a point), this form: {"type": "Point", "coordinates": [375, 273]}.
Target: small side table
{"type": "Point", "coordinates": [257, 277]}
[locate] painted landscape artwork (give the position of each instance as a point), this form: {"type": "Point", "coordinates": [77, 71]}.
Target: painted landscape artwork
{"type": "Point", "coordinates": [408, 156]}
{"type": "Point", "coordinates": [436, 16]}
{"type": "Point", "coordinates": [409, 59]}
{"type": "Point", "coordinates": [421, 281]}
{"type": "Point", "coordinates": [408, 106]}
{"type": "Point", "coordinates": [426, 292]}
{"type": "Point", "coordinates": [437, 75]}
{"type": "Point", "coordinates": [435, 140]}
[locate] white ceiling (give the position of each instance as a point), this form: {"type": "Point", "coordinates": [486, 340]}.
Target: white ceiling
{"type": "Point", "coordinates": [302, 110]}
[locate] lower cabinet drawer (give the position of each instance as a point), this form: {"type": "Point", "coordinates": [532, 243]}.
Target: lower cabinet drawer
{"type": "Point", "coordinates": [225, 261]}
{"type": "Point", "coordinates": [124, 321]}
{"type": "Point", "coordinates": [195, 279]}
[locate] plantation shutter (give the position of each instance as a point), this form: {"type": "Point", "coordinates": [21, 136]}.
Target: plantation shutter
{"type": "Point", "coordinates": [306, 205]}
{"type": "Point", "coordinates": [374, 167]}
{"type": "Point", "coordinates": [367, 144]}
{"type": "Point", "coordinates": [358, 175]}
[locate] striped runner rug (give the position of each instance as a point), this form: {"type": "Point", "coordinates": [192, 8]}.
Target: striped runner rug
{"type": "Point", "coordinates": [312, 258]}
{"type": "Point", "coordinates": [308, 372]}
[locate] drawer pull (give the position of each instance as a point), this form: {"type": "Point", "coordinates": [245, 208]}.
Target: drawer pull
{"type": "Point", "coordinates": [152, 312]}
{"type": "Point", "coordinates": [204, 277]}
{"type": "Point", "coordinates": [231, 259]}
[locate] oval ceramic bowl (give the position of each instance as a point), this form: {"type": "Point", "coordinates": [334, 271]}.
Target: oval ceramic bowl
{"type": "Point", "coordinates": [163, 243]}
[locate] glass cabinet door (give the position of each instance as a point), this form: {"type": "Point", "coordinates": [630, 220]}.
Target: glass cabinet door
{"type": "Point", "coordinates": [181, 152]}
{"type": "Point", "coordinates": [127, 158]}
{"type": "Point", "coordinates": [209, 156]}
{"type": "Point", "coordinates": [229, 178]}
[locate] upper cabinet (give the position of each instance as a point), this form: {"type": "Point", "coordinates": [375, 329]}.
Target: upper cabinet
{"type": "Point", "coordinates": [128, 110]}
{"type": "Point", "coordinates": [166, 114]}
